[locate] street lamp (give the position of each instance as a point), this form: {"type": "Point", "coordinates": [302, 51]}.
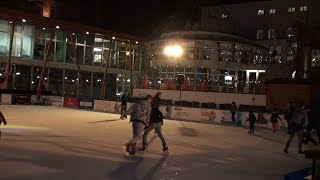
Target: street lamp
{"type": "Point", "coordinates": [175, 51]}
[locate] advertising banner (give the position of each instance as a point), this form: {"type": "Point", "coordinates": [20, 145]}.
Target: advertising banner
{"type": "Point", "coordinates": [56, 101]}
{"type": "Point", "coordinates": [86, 104]}
{"type": "Point", "coordinates": [21, 99]}
{"type": "Point", "coordinates": [6, 99]}
{"type": "Point", "coordinates": [70, 102]}
{"type": "Point", "coordinates": [106, 106]}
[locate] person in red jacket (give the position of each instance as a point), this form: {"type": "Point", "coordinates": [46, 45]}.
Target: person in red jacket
{"type": "Point", "coordinates": [274, 120]}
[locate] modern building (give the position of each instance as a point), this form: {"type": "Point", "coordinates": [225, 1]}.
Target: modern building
{"type": "Point", "coordinates": [276, 25]}
{"type": "Point", "coordinates": [210, 61]}
{"type": "Point", "coordinates": [92, 47]}
{"type": "Point", "coordinates": [232, 48]}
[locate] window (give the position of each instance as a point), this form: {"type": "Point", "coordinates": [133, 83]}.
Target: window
{"type": "Point", "coordinates": [271, 33]}
{"type": "Point", "coordinates": [260, 34]}
{"type": "Point", "coordinates": [304, 8]}
{"type": "Point", "coordinates": [290, 32]}
{"type": "Point", "coordinates": [261, 12]}
{"type": "Point", "coordinates": [272, 11]}
{"type": "Point", "coordinates": [291, 9]}
{"type": "Point", "coordinates": [224, 16]}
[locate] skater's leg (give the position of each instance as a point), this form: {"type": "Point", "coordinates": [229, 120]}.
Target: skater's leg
{"type": "Point", "coordinates": [137, 129]}
{"type": "Point", "coordinates": [145, 135]}
{"type": "Point", "coordinates": [251, 128]}
{"type": "Point", "coordinates": [159, 132]}
{"type": "Point", "coordinates": [300, 137]}
{"type": "Point", "coordinates": [274, 126]}
{"type": "Point", "coordinates": [289, 141]}
{"type": "Point", "coordinates": [233, 117]}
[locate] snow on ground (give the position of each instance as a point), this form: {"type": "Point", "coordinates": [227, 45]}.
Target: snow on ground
{"type": "Point", "coordinates": [42, 142]}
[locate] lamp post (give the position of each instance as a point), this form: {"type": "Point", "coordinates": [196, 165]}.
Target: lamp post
{"type": "Point", "coordinates": [175, 52]}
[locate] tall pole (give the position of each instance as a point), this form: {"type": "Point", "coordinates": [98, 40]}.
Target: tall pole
{"type": "Point", "coordinates": [131, 67]}
{"type": "Point", "coordinates": [8, 69]}
{"type": "Point", "coordinates": [104, 83]}
{"type": "Point", "coordinates": [44, 65]}
{"type": "Point", "coordinates": [76, 60]}
{"type": "Point", "coordinates": [180, 96]}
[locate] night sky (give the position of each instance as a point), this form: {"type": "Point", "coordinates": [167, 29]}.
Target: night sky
{"type": "Point", "coordinates": [131, 16]}
{"type": "Point", "coordinates": [135, 17]}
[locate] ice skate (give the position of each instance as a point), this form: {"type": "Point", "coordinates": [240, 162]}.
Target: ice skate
{"type": "Point", "coordinates": [144, 148]}
{"type": "Point", "coordinates": [165, 149]}
{"type": "Point", "coordinates": [128, 150]}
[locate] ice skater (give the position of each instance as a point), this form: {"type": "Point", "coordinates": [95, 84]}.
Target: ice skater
{"type": "Point", "coordinates": [140, 116]}
{"type": "Point", "coordinates": [156, 122]}
{"type": "Point", "coordinates": [312, 117]}
{"type": "Point", "coordinates": [233, 111]}
{"type": "Point", "coordinates": [124, 106]}
{"type": "Point", "coordinates": [274, 120]}
{"type": "Point", "coordinates": [252, 120]}
{"type": "Point", "coordinates": [2, 120]}
{"type": "Point", "coordinates": [156, 103]}
{"type": "Point", "coordinates": [298, 124]}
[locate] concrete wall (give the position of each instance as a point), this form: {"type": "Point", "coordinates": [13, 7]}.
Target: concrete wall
{"type": "Point", "coordinates": [203, 97]}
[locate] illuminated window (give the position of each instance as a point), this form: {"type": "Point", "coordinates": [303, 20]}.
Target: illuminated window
{"type": "Point", "coordinates": [224, 16]}
{"type": "Point", "coordinates": [260, 34]}
{"type": "Point", "coordinates": [272, 11]}
{"type": "Point", "coordinates": [304, 8]}
{"type": "Point", "coordinates": [271, 33]}
{"type": "Point", "coordinates": [261, 12]}
{"type": "Point", "coordinates": [291, 9]}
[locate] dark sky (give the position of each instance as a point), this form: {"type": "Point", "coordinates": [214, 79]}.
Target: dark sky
{"type": "Point", "coordinates": [131, 16]}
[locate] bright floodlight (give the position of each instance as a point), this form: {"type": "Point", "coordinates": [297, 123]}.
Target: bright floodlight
{"type": "Point", "coordinates": [174, 51]}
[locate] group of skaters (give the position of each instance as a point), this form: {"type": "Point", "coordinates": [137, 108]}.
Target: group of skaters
{"type": "Point", "coordinates": [301, 119]}
{"type": "Point", "coordinates": [145, 117]}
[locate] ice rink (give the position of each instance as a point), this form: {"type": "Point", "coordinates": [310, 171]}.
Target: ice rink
{"type": "Point", "coordinates": [44, 143]}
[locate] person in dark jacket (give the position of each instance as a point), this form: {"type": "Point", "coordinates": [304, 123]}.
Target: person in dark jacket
{"type": "Point", "coordinates": [156, 121]}
{"type": "Point", "coordinates": [252, 120]}
{"type": "Point", "coordinates": [140, 117]}
{"type": "Point", "coordinates": [233, 111]}
{"type": "Point", "coordinates": [2, 120]}
{"type": "Point", "coordinates": [156, 104]}
{"type": "Point", "coordinates": [123, 107]}
{"type": "Point", "coordinates": [316, 124]}
{"type": "Point", "coordinates": [274, 120]}
{"type": "Point", "coordinates": [156, 101]}
{"type": "Point", "coordinates": [310, 126]}
{"type": "Point", "coordinates": [288, 115]}
{"type": "Point", "coordinates": [298, 124]}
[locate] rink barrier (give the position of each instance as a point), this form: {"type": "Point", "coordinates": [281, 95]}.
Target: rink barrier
{"type": "Point", "coordinates": [6, 99]}
{"type": "Point", "coordinates": [196, 114]}
{"type": "Point", "coordinates": [215, 116]}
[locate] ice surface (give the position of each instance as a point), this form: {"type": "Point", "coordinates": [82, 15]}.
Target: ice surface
{"type": "Point", "coordinates": [58, 143]}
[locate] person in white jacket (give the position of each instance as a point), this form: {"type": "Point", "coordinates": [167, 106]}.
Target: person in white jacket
{"type": "Point", "coordinates": [140, 116]}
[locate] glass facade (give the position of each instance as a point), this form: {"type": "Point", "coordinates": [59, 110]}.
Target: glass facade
{"type": "Point", "coordinates": [207, 65]}
{"type": "Point", "coordinates": [92, 51]}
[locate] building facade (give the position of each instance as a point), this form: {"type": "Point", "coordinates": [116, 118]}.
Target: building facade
{"type": "Point", "coordinates": [273, 24]}
{"type": "Point", "coordinates": [235, 47]}
{"type": "Point", "coordinates": [210, 61]}
{"type": "Point", "coordinates": [94, 48]}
